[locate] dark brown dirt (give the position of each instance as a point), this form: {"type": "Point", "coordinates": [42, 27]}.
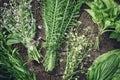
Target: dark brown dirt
{"type": "Point", "coordinates": [106, 44]}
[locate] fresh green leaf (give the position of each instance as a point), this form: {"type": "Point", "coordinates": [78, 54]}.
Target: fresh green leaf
{"type": "Point", "coordinates": [105, 66]}
{"type": "Point", "coordinates": [13, 39]}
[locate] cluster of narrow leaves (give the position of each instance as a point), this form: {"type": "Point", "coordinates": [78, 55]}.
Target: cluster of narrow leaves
{"type": "Point", "coordinates": [11, 63]}
{"type": "Point", "coordinates": [78, 48]}
{"type": "Point", "coordinates": [19, 22]}
{"type": "Point", "coordinates": [105, 66]}
{"type": "Point", "coordinates": [58, 15]}
{"type": "Point", "coordinates": [5, 74]}
{"type": "Point", "coordinates": [106, 14]}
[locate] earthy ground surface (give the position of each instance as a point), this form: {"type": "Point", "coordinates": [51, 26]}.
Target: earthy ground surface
{"type": "Point", "coordinates": [106, 44]}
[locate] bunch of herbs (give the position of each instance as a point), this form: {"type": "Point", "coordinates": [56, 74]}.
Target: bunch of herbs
{"type": "Point", "coordinates": [20, 24]}
{"type": "Point", "coordinates": [12, 62]}
{"type": "Point", "coordinates": [106, 15]}
{"type": "Point", "coordinates": [78, 48]}
{"type": "Point", "coordinates": [58, 16]}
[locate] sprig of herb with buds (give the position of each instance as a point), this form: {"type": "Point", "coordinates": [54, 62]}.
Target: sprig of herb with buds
{"type": "Point", "coordinates": [19, 22]}
{"type": "Point", "coordinates": [78, 48]}
{"type": "Point", "coordinates": [58, 15]}
{"type": "Point", "coordinates": [12, 62]}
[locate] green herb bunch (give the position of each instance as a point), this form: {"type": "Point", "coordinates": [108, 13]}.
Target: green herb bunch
{"type": "Point", "coordinates": [58, 15]}
{"type": "Point", "coordinates": [78, 48]}
{"type": "Point", "coordinates": [19, 22]}
{"type": "Point", "coordinates": [105, 66]}
{"type": "Point", "coordinates": [12, 63]}
{"type": "Point", "coordinates": [106, 14]}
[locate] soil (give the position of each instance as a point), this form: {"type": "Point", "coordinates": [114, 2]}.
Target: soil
{"type": "Point", "coordinates": [105, 45]}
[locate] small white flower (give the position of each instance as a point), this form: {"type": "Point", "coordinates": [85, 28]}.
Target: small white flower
{"type": "Point", "coordinates": [9, 25]}
{"type": "Point", "coordinates": [4, 32]}
{"type": "Point", "coordinates": [39, 38]}
{"type": "Point", "coordinates": [39, 27]}
{"type": "Point", "coordinates": [17, 24]}
{"type": "Point", "coordinates": [65, 33]}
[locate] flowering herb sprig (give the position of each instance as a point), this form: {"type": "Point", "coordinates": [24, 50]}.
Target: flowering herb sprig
{"type": "Point", "coordinates": [78, 48]}
{"type": "Point", "coordinates": [19, 22]}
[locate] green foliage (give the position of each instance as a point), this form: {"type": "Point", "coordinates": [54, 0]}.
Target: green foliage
{"type": "Point", "coordinates": [11, 63]}
{"type": "Point", "coordinates": [78, 48]}
{"type": "Point", "coordinates": [5, 74]}
{"type": "Point", "coordinates": [19, 22]}
{"type": "Point", "coordinates": [105, 66]}
{"type": "Point", "coordinates": [106, 14]}
{"type": "Point", "coordinates": [117, 74]}
{"type": "Point", "coordinates": [58, 15]}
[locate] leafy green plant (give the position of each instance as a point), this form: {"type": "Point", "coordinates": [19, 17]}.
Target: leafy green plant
{"type": "Point", "coordinates": [105, 66]}
{"type": "Point", "coordinates": [78, 48]}
{"type": "Point", "coordinates": [58, 15]}
{"type": "Point", "coordinates": [106, 14]}
{"type": "Point", "coordinates": [5, 74]}
{"type": "Point", "coordinates": [117, 74]}
{"type": "Point", "coordinates": [19, 22]}
{"type": "Point", "coordinates": [11, 61]}
{"type": "Point", "coordinates": [116, 33]}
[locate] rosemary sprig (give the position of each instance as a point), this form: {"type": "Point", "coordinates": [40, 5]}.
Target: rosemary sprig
{"type": "Point", "coordinates": [19, 22]}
